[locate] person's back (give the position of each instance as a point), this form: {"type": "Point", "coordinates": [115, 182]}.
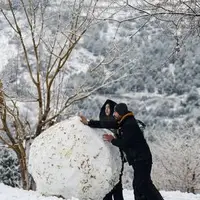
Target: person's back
{"type": "Point", "coordinates": [133, 142]}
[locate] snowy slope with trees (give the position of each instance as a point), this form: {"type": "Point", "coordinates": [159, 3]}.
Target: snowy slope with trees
{"type": "Point", "coordinates": [127, 51]}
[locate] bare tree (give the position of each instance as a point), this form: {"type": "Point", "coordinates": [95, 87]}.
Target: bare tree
{"type": "Point", "coordinates": [12, 135]}
{"type": "Point", "coordinates": [47, 37]}
{"type": "Point", "coordinates": [181, 18]}
{"type": "Point", "coordinates": [176, 158]}
{"type": "Point", "coordinates": [1, 97]}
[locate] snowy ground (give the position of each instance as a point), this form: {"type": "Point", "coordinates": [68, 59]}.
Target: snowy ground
{"type": "Point", "coordinates": [9, 193]}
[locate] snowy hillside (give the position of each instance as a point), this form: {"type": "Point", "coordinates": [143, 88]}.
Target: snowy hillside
{"type": "Point", "coordinates": [9, 50]}
{"type": "Point", "coordinates": [169, 83]}
{"type": "Point", "coordinates": [152, 65]}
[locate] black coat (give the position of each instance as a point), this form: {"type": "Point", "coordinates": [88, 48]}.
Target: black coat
{"type": "Point", "coordinates": [131, 140]}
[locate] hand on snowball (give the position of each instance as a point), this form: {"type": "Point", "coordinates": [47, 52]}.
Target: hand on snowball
{"type": "Point", "coordinates": [83, 119]}
{"type": "Point", "coordinates": [108, 137]}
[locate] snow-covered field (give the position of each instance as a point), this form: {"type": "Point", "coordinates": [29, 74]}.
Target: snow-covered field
{"type": "Point", "coordinates": [9, 193]}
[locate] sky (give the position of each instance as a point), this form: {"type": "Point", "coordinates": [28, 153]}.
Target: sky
{"type": "Point", "coordinates": [9, 193]}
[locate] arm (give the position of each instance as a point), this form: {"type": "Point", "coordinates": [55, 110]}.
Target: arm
{"type": "Point", "coordinates": [126, 140]}
{"type": "Point", "coordinates": [109, 124]}
{"type": "Point", "coordinates": [94, 124]}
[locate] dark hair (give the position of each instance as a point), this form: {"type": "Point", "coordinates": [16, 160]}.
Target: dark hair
{"type": "Point", "coordinates": [121, 109]}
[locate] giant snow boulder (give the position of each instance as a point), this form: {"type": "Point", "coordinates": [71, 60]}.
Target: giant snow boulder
{"type": "Point", "coordinates": [72, 160]}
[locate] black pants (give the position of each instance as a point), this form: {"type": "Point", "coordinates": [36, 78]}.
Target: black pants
{"type": "Point", "coordinates": [117, 191]}
{"type": "Point", "coordinates": [143, 187]}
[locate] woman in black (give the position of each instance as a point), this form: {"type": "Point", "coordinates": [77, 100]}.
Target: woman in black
{"type": "Point", "coordinates": [106, 114]}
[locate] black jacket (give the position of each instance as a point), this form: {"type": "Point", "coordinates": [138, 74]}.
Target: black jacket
{"type": "Point", "coordinates": [131, 140]}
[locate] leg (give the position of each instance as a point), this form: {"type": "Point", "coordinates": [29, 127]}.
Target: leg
{"type": "Point", "coordinates": [144, 189]}
{"type": "Point", "coordinates": [108, 196]}
{"type": "Point", "coordinates": [137, 193]}
{"type": "Point", "coordinates": [155, 192]}
{"type": "Point", "coordinates": [118, 189]}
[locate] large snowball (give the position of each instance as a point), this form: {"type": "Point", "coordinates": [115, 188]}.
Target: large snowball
{"type": "Point", "coordinates": [72, 160]}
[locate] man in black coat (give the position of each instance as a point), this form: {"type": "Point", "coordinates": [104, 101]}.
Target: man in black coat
{"type": "Point", "coordinates": [136, 151]}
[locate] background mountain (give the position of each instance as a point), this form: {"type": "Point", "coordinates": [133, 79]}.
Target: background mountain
{"type": "Point", "coordinates": [166, 81]}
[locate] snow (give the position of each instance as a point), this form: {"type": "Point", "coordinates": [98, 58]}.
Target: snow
{"type": "Point", "coordinates": [9, 193]}
{"type": "Point", "coordinates": [80, 60]}
{"type": "Point", "coordinates": [9, 50]}
{"type": "Point", "coordinates": [70, 152]}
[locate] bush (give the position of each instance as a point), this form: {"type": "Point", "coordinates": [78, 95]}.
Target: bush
{"type": "Point", "coordinates": [193, 96]}
{"type": "Point", "coordinates": [9, 168]}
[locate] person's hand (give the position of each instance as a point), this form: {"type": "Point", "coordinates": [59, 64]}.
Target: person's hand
{"type": "Point", "coordinates": [83, 119]}
{"type": "Point", "coordinates": [108, 137]}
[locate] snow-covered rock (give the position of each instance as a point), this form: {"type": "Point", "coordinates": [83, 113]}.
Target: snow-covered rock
{"type": "Point", "coordinates": [72, 160]}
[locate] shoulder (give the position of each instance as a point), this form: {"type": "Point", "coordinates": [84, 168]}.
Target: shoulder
{"type": "Point", "coordinates": [130, 121]}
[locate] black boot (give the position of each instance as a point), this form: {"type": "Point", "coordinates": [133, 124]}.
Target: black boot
{"type": "Point", "coordinates": [108, 196]}
{"type": "Point", "coordinates": [118, 192]}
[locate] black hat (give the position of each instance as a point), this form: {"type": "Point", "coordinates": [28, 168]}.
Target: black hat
{"type": "Point", "coordinates": [121, 109]}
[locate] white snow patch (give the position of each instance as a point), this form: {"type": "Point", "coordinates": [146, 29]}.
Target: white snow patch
{"type": "Point", "coordinates": [9, 193]}
{"type": "Point", "coordinates": [8, 51]}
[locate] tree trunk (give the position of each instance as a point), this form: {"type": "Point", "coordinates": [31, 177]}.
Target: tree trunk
{"type": "Point", "coordinates": [28, 142]}
{"type": "Point", "coordinates": [24, 172]}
